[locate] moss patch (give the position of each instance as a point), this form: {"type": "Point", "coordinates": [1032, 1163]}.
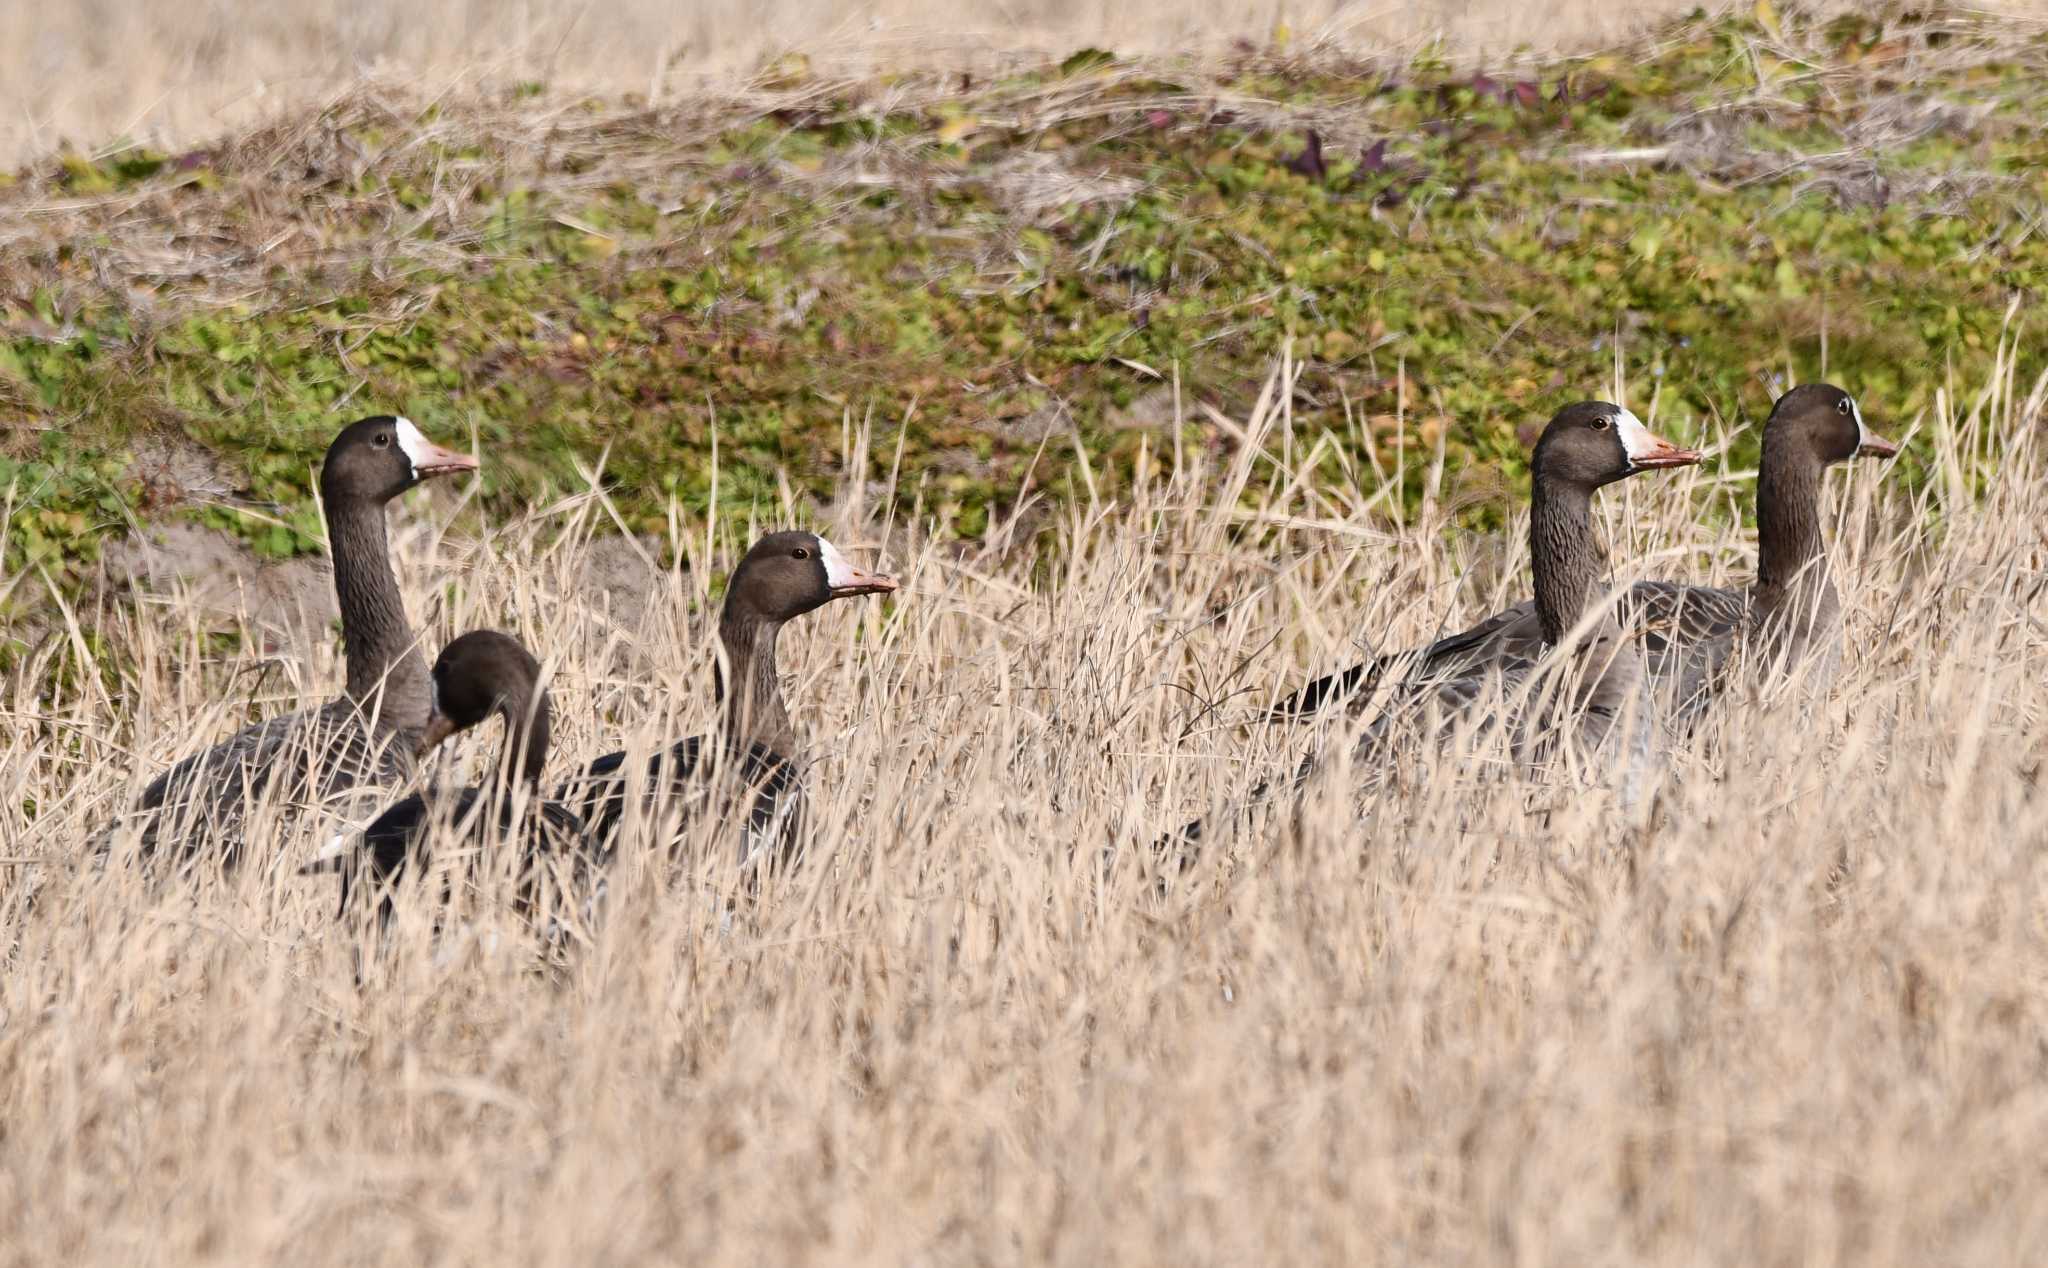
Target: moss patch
{"type": "Point", "coordinates": [1016, 267]}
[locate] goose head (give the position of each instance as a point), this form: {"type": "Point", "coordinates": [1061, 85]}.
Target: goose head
{"type": "Point", "coordinates": [1593, 443]}
{"type": "Point", "coordinates": [481, 673]}
{"type": "Point", "coordinates": [788, 574]}
{"type": "Point", "coordinates": [1821, 422]}
{"type": "Point", "coordinates": [376, 459]}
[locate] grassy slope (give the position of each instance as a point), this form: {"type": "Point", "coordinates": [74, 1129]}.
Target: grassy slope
{"type": "Point", "coordinates": [567, 278]}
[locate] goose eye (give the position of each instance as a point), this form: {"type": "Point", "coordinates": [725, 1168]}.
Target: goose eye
{"type": "Point", "coordinates": [383, 440]}
{"type": "Point", "coordinates": [1842, 406]}
{"type": "Point", "coordinates": [802, 553]}
{"type": "Point", "coordinates": [1601, 423]}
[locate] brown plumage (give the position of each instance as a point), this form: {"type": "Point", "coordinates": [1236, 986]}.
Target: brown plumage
{"type": "Point", "coordinates": [1575, 681]}
{"type": "Point", "coordinates": [1575, 691]}
{"type": "Point", "coordinates": [481, 675]}
{"type": "Point", "coordinates": [365, 737]}
{"type": "Point", "coordinates": [1688, 633]}
{"type": "Point", "coordinates": [783, 576]}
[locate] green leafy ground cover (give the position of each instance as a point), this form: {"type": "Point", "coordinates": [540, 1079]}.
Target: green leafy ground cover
{"type": "Point", "coordinates": [1016, 267]}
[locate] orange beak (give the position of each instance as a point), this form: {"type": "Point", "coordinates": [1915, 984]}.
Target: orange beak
{"type": "Point", "coordinates": [427, 458]}
{"type": "Point", "coordinates": [1876, 446]}
{"type": "Point", "coordinates": [844, 580]}
{"type": "Point", "coordinates": [435, 460]}
{"type": "Point", "coordinates": [1668, 455]}
{"type": "Point", "coordinates": [438, 729]}
{"type": "Point", "coordinates": [1655, 451]}
{"type": "Point", "coordinates": [860, 581]}
{"type": "Point", "coordinates": [1646, 449]}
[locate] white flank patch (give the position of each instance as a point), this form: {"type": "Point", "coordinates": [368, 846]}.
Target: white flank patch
{"type": "Point", "coordinates": [337, 845]}
{"type": "Point", "coordinates": [838, 572]}
{"type": "Point", "coordinates": [414, 444]}
{"type": "Point", "coordinates": [1635, 438]}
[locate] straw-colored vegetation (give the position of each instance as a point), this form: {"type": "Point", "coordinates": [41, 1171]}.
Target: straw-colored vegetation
{"type": "Point", "coordinates": [1796, 1018]}
{"type": "Point", "coordinates": [1468, 1014]}
{"type": "Point", "coordinates": [182, 74]}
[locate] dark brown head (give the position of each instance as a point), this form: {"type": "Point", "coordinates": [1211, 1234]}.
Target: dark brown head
{"type": "Point", "coordinates": [788, 574]}
{"type": "Point", "coordinates": [481, 673]}
{"type": "Point", "coordinates": [1592, 443]}
{"type": "Point", "coordinates": [1822, 423]}
{"type": "Point", "coordinates": [376, 459]}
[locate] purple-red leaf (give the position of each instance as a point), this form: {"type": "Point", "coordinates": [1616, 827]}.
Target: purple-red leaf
{"type": "Point", "coordinates": [1309, 162]}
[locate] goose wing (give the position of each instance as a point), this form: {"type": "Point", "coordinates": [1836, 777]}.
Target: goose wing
{"type": "Point", "coordinates": [300, 762]}
{"type": "Point", "coordinates": [767, 782]}
{"type": "Point", "coordinates": [1687, 634]}
{"type": "Point", "coordinates": [597, 795]}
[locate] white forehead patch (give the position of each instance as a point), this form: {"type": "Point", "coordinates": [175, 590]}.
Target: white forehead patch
{"type": "Point", "coordinates": [1635, 438]}
{"type": "Point", "coordinates": [1863, 436]}
{"type": "Point", "coordinates": [414, 444]}
{"type": "Point", "coordinates": [838, 572]}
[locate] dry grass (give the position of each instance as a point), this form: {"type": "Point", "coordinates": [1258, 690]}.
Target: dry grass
{"type": "Point", "coordinates": [92, 73]}
{"type": "Point", "coordinates": [89, 72]}
{"type": "Point", "coordinates": [1797, 1019]}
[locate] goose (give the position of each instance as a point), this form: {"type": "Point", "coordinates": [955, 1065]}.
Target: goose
{"type": "Point", "coordinates": [1600, 679]}
{"type": "Point", "coordinates": [1585, 694]}
{"type": "Point", "coordinates": [368, 735]}
{"type": "Point", "coordinates": [1690, 632]}
{"type": "Point", "coordinates": [783, 576]}
{"type": "Point", "coordinates": [482, 674]}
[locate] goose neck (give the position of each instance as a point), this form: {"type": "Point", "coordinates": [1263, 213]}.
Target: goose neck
{"type": "Point", "coordinates": [376, 637]}
{"type": "Point", "coordinates": [1562, 553]}
{"type": "Point", "coordinates": [529, 726]}
{"type": "Point", "coordinates": [754, 710]}
{"type": "Point", "coordinates": [1789, 545]}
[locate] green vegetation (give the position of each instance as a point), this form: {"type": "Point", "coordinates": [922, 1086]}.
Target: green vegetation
{"type": "Point", "coordinates": [1017, 267]}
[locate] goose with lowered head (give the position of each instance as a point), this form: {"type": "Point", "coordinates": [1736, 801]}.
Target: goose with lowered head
{"type": "Point", "coordinates": [367, 736]}
{"type": "Point", "coordinates": [481, 675]}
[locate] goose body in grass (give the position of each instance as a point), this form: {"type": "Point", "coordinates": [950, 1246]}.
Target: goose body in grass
{"type": "Point", "coordinates": [1790, 617]}
{"type": "Point", "coordinates": [1578, 685]}
{"type": "Point", "coordinates": [749, 773]}
{"type": "Point", "coordinates": [481, 675]}
{"type": "Point", "coordinates": [368, 735]}
{"type": "Point", "coordinates": [1577, 676]}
